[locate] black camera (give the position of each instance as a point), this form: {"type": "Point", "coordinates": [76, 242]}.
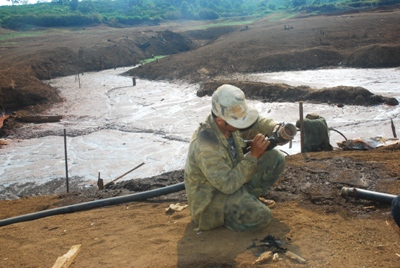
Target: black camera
{"type": "Point", "coordinates": [282, 135]}
{"type": "Point", "coordinates": [273, 143]}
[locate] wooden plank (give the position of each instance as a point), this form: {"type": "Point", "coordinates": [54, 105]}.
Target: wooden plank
{"type": "Point", "coordinates": [66, 260]}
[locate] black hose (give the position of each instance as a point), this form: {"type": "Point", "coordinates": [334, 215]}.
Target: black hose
{"type": "Point", "coordinates": [338, 132]}
{"type": "Point", "coordinates": [365, 194]}
{"type": "Point", "coordinates": [96, 204]}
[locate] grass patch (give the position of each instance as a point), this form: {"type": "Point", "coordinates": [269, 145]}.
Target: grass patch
{"type": "Point", "coordinates": [8, 43]}
{"type": "Point", "coordinates": [151, 59]}
{"type": "Point", "coordinates": [16, 34]}
{"type": "Point", "coordinates": [7, 36]}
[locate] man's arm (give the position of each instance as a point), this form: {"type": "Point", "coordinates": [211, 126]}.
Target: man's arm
{"type": "Point", "coordinates": [217, 167]}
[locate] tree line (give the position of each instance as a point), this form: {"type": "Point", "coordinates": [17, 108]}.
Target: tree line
{"type": "Point", "coordinates": [121, 13]}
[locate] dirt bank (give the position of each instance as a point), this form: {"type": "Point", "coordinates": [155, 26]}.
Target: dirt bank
{"type": "Point", "coordinates": [368, 39]}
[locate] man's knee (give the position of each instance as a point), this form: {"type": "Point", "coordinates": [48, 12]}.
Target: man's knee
{"type": "Point", "coordinates": [280, 159]}
{"type": "Point", "coordinates": [256, 222]}
{"type": "Point", "coordinates": [273, 159]}
{"type": "Point", "coordinates": [263, 223]}
{"type": "Point", "coordinates": [271, 164]}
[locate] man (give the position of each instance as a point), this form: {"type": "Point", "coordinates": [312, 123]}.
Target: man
{"type": "Point", "coordinates": [222, 183]}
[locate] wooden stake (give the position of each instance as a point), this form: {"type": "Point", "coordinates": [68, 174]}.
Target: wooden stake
{"type": "Point", "coordinates": [393, 129]}
{"type": "Point", "coordinates": [100, 183]}
{"type": "Point", "coordinates": [66, 160]}
{"type": "Point", "coordinates": [301, 127]}
{"type": "Point", "coordinates": [66, 260]}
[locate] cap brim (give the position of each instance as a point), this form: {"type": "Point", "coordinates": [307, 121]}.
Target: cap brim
{"type": "Point", "coordinates": [246, 121]}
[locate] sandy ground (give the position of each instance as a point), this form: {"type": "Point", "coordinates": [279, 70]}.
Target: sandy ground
{"type": "Point", "coordinates": [129, 236]}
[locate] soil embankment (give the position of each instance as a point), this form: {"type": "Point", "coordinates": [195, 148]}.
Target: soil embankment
{"type": "Point", "coordinates": [310, 218]}
{"type": "Point", "coordinates": [368, 39]}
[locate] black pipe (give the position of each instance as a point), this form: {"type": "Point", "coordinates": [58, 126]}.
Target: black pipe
{"type": "Point", "coordinates": [365, 194]}
{"type": "Point", "coordinates": [396, 210]}
{"type": "Point", "coordinates": [95, 204]}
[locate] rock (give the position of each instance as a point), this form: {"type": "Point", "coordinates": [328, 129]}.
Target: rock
{"type": "Point", "coordinates": [264, 257]}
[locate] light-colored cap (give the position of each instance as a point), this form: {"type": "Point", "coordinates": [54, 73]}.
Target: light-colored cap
{"type": "Point", "coordinates": [229, 104]}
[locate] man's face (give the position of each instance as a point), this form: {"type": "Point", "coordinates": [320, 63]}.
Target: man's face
{"type": "Point", "coordinates": [230, 128]}
{"type": "Point", "coordinates": [224, 126]}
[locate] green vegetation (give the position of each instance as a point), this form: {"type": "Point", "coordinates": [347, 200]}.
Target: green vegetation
{"type": "Point", "coordinates": [8, 43]}
{"type": "Point", "coordinates": [20, 34]}
{"type": "Point", "coordinates": [122, 13]}
{"type": "Point", "coordinates": [151, 59]}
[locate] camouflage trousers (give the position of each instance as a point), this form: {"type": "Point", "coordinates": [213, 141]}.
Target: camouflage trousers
{"type": "Point", "coordinates": [243, 211]}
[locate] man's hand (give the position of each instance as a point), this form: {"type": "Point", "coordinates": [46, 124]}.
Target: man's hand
{"type": "Point", "coordinates": [258, 146]}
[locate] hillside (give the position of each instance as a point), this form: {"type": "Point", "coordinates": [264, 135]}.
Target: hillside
{"type": "Point", "coordinates": [312, 219]}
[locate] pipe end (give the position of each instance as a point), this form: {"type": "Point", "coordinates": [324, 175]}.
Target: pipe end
{"type": "Point", "coordinates": [345, 191]}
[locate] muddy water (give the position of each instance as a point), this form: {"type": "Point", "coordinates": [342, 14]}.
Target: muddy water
{"type": "Point", "coordinates": [113, 126]}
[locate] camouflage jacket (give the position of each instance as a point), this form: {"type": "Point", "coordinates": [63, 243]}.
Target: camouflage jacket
{"type": "Point", "coordinates": [211, 174]}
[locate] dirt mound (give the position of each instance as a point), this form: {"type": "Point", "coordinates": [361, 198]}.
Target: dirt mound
{"type": "Point", "coordinates": [208, 35]}
{"type": "Point", "coordinates": [284, 93]}
{"type": "Point", "coordinates": [22, 89]}
{"type": "Point", "coordinates": [375, 56]}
